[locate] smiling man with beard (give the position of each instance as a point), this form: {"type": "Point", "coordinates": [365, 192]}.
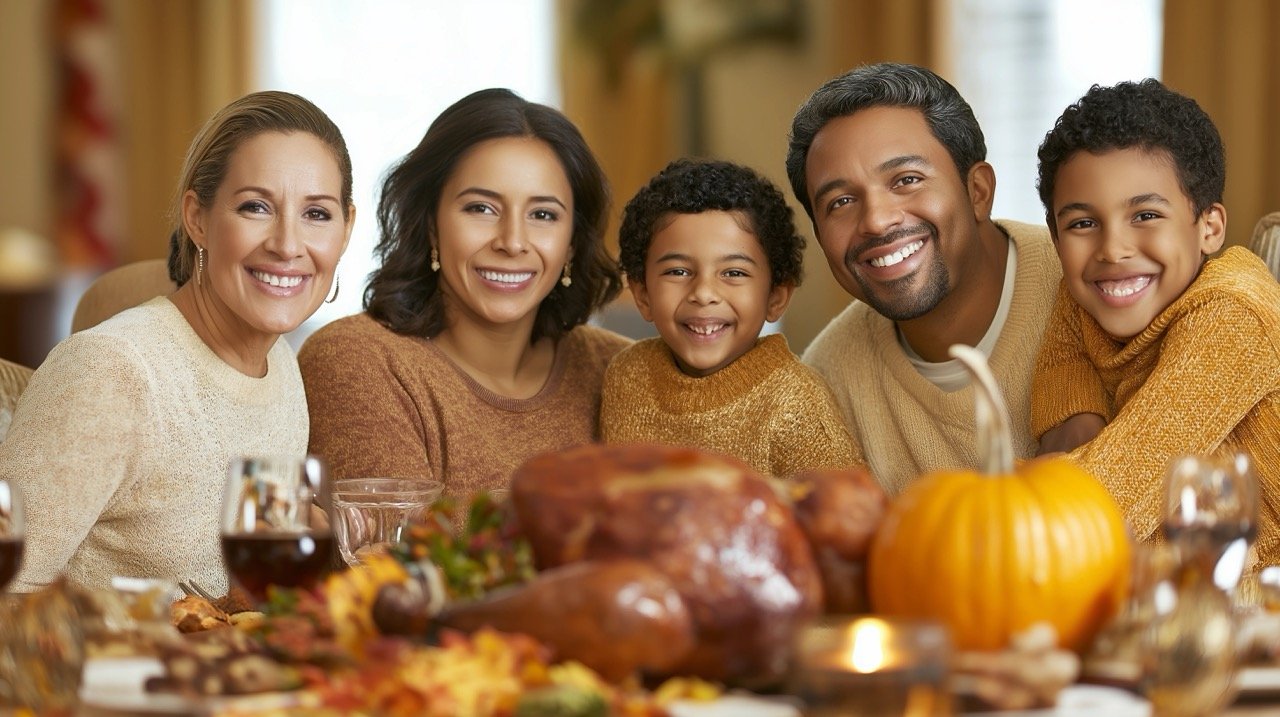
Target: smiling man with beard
{"type": "Point", "coordinates": [889, 162]}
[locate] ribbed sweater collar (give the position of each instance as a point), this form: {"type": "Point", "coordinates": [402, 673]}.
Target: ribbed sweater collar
{"type": "Point", "coordinates": [678, 393]}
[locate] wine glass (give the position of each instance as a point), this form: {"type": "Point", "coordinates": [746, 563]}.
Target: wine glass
{"type": "Point", "coordinates": [1211, 512]}
{"type": "Point", "coordinates": [12, 531]}
{"type": "Point", "coordinates": [273, 531]}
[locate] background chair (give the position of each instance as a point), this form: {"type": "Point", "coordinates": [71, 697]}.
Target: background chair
{"type": "Point", "coordinates": [13, 380]}
{"type": "Point", "coordinates": [122, 288]}
{"type": "Point", "coordinates": [1266, 241]}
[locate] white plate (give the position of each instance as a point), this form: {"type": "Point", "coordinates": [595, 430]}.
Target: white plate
{"type": "Point", "coordinates": [1086, 701]}
{"type": "Point", "coordinates": [118, 685]}
{"type": "Point", "coordinates": [1258, 680]}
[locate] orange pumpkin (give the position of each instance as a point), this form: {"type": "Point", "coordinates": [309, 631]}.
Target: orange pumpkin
{"type": "Point", "coordinates": [991, 553]}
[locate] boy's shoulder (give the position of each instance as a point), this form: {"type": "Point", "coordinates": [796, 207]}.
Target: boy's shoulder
{"type": "Point", "coordinates": [1239, 277]}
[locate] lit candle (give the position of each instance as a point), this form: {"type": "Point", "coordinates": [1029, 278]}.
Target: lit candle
{"type": "Point", "coordinates": [872, 666]}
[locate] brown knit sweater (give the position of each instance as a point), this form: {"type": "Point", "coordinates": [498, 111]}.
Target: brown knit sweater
{"type": "Point", "coordinates": [1203, 378]}
{"type": "Point", "coordinates": [383, 404]}
{"type": "Point", "coordinates": [766, 408]}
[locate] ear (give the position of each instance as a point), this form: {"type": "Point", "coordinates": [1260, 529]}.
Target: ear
{"type": "Point", "coordinates": [1213, 228]}
{"type": "Point", "coordinates": [193, 217]}
{"type": "Point", "coordinates": [779, 298]}
{"type": "Point", "coordinates": [351, 224]}
{"type": "Point", "coordinates": [981, 184]}
{"type": "Point", "coordinates": [641, 296]}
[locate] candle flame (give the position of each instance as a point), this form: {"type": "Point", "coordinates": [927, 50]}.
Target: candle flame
{"type": "Point", "coordinates": [867, 652]}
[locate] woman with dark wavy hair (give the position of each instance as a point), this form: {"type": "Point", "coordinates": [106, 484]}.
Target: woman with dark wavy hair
{"type": "Point", "coordinates": [472, 354]}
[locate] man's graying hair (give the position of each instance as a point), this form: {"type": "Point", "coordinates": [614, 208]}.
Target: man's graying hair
{"type": "Point", "coordinates": [886, 85]}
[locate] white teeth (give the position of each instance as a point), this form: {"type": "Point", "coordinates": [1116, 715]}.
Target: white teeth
{"type": "Point", "coordinates": [506, 277]}
{"type": "Point", "coordinates": [287, 282]}
{"type": "Point", "coordinates": [706, 330]}
{"type": "Point", "coordinates": [897, 256]}
{"type": "Point", "coordinates": [1124, 287]}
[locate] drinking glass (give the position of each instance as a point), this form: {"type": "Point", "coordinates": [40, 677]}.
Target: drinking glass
{"type": "Point", "coordinates": [273, 532]}
{"type": "Point", "coordinates": [369, 514]}
{"type": "Point", "coordinates": [12, 532]}
{"type": "Point", "coordinates": [1211, 512]}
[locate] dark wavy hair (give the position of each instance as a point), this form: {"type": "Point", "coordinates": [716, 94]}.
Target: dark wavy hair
{"type": "Point", "coordinates": [1146, 115]}
{"type": "Point", "coordinates": [209, 157]}
{"type": "Point", "coordinates": [694, 186]}
{"type": "Point", "coordinates": [404, 294]}
{"type": "Point", "coordinates": [887, 84]}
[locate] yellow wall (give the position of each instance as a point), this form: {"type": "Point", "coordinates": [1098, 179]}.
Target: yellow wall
{"type": "Point", "coordinates": [26, 96]}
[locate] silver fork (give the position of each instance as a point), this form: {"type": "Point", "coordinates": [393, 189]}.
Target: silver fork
{"type": "Point", "coordinates": [192, 588]}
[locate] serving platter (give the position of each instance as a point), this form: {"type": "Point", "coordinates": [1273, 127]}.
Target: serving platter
{"type": "Point", "coordinates": [117, 686]}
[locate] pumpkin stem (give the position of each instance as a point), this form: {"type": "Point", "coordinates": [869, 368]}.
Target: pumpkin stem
{"type": "Point", "coordinates": [995, 446]}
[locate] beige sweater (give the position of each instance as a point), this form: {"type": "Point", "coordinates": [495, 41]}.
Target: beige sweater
{"type": "Point", "coordinates": [1203, 378]}
{"type": "Point", "coordinates": [906, 425]}
{"type": "Point", "coordinates": [383, 404]}
{"type": "Point", "coordinates": [121, 442]}
{"type": "Point", "coordinates": [766, 408]}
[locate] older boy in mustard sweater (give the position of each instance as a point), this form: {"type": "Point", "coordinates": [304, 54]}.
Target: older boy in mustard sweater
{"type": "Point", "coordinates": [710, 253]}
{"type": "Point", "coordinates": [1175, 354]}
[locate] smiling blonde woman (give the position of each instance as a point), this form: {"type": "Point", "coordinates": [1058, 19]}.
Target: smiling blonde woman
{"type": "Point", "coordinates": [122, 439]}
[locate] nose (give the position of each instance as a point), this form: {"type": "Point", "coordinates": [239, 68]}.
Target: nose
{"type": "Point", "coordinates": [880, 214]}
{"type": "Point", "coordinates": [285, 240]}
{"type": "Point", "coordinates": [1114, 246]}
{"type": "Point", "coordinates": [703, 290]}
{"type": "Point", "coordinates": [512, 237]}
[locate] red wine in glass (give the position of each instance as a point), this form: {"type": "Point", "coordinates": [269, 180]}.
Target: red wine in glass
{"type": "Point", "coordinates": [10, 558]}
{"type": "Point", "coordinates": [295, 560]}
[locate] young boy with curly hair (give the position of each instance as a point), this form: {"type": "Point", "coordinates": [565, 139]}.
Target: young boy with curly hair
{"type": "Point", "coordinates": [1173, 352]}
{"type": "Point", "coordinates": [711, 253]}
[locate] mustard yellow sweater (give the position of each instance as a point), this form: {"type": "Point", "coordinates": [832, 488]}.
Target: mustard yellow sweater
{"type": "Point", "coordinates": [1203, 378]}
{"type": "Point", "coordinates": [766, 408]}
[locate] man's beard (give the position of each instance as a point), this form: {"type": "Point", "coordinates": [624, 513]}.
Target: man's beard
{"type": "Point", "coordinates": [904, 302]}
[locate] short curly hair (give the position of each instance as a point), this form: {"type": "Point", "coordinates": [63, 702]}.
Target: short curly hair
{"type": "Point", "coordinates": [688, 186]}
{"type": "Point", "coordinates": [1145, 115]}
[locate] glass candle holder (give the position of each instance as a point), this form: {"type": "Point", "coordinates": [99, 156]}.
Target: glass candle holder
{"type": "Point", "coordinates": [872, 667]}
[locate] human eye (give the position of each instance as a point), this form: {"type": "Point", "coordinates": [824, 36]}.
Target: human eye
{"type": "Point", "coordinates": [736, 274]}
{"type": "Point", "coordinates": [1146, 215]}
{"type": "Point", "coordinates": [253, 206]}
{"type": "Point", "coordinates": [479, 208]}
{"type": "Point", "coordinates": [676, 271]}
{"type": "Point", "coordinates": [838, 202]}
{"type": "Point", "coordinates": [1080, 224]}
{"type": "Point", "coordinates": [318, 214]}
{"type": "Point", "coordinates": [545, 215]}
{"type": "Point", "coordinates": [907, 180]}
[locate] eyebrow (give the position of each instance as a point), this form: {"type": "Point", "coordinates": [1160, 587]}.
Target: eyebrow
{"type": "Point", "coordinates": [886, 166]}
{"type": "Point", "coordinates": [550, 198]}
{"type": "Point", "coordinates": [677, 256]}
{"type": "Point", "coordinates": [1148, 198]}
{"type": "Point", "coordinates": [264, 192]}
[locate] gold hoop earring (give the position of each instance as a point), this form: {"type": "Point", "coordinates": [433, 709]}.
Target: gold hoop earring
{"type": "Point", "coordinates": [435, 259]}
{"type": "Point", "coordinates": [337, 283]}
{"type": "Point", "coordinates": [565, 280]}
{"type": "Point", "coordinates": [199, 265]}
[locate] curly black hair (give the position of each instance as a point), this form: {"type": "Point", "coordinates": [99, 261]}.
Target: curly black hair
{"type": "Point", "coordinates": [1145, 115]}
{"type": "Point", "coordinates": [688, 186]}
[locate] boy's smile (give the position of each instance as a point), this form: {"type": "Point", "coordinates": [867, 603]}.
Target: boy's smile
{"type": "Point", "coordinates": [1127, 235]}
{"type": "Point", "coordinates": [708, 289]}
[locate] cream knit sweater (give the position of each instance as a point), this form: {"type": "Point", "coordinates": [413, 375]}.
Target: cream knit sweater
{"type": "Point", "coordinates": [1203, 378]}
{"type": "Point", "coordinates": [120, 445]}
{"type": "Point", "coordinates": [766, 408]}
{"type": "Point", "coordinates": [907, 425]}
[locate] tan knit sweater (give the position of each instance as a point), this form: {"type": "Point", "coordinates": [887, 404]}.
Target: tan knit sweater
{"type": "Point", "coordinates": [1203, 378]}
{"type": "Point", "coordinates": [766, 408]}
{"type": "Point", "coordinates": [383, 404]}
{"type": "Point", "coordinates": [907, 425]}
{"type": "Point", "coordinates": [121, 443]}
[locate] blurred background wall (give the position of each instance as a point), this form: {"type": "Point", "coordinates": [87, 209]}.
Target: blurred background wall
{"type": "Point", "coordinates": [100, 98]}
